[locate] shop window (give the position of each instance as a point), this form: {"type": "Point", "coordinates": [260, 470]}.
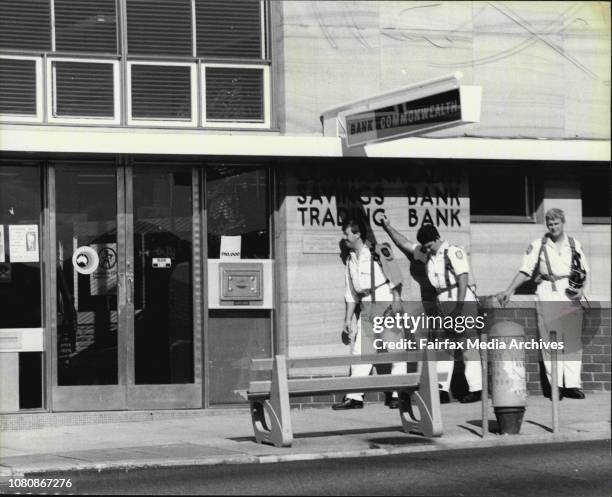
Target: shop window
{"type": "Point", "coordinates": [229, 29]}
{"type": "Point", "coordinates": [161, 92]}
{"type": "Point", "coordinates": [83, 90]}
{"type": "Point", "coordinates": [596, 196]}
{"type": "Point", "coordinates": [19, 89]}
{"type": "Point", "coordinates": [236, 94]}
{"type": "Point", "coordinates": [85, 25]}
{"type": "Point", "coordinates": [25, 25]}
{"type": "Point", "coordinates": [20, 276]}
{"type": "Point", "coordinates": [237, 204]}
{"type": "Point", "coordinates": [159, 27]}
{"type": "Point", "coordinates": [499, 194]}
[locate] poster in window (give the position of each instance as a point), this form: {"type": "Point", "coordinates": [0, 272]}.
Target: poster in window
{"type": "Point", "coordinates": [230, 247]}
{"type": "Point", "coordinates": [103, 281]}
{"type": "Point", "coordinates": [23, 243]}
{"type": "Point", "coordinates": [2, 243]}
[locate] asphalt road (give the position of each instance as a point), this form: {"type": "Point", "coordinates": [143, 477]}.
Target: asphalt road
{"type": "Point", "coordinates": [560, 469]}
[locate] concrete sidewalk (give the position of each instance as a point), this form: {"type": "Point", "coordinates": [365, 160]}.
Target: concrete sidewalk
{"type": "Point", "coordinates": [226, 437]}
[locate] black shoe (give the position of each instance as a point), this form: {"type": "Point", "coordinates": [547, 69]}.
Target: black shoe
{"type": "Point", "coordinates": [394, 404]}
{"type": "Point", "coordinates": [573, 393]}
{"type": "Point", "coordinates": [472, 397]}
{"type": "Point", "coordinates": [348, 404]}
{"type": "Point", "coordinates": [547, 394]}
{"type": "Point", "coordinates": [444, 397]}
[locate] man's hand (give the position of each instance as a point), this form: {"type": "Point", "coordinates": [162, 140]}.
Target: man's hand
{"type": "Point", "coordinates": [503, 298]}
{"type": "Point", "coordinates": [347, 335]}
{"type": "Point", "coordinates": [579, 295]}
{"type": "Point", "coordinates": [385, 221]}
{"type": "Point", "coordinates": [397, 307]}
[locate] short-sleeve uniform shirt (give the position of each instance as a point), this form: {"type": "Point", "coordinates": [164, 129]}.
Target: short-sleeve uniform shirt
{"type": "Point", "coordinates": [445, 282]}
{"type": "Point", "coordinates": [560, 258]}
{"type": "Point", "coordinates": [358, 279]}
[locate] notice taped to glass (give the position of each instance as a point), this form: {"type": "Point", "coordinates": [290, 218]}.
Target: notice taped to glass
{"type": "Point", "coordinates": [23, 243]}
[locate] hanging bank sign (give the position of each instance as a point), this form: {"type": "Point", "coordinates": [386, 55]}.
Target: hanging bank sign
{"type": "Point", "coordinates": [414, 109]}
{"type": "Point", "coordinates": [403, 118]}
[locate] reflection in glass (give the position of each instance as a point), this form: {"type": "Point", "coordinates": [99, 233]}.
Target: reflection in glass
{"type": "Point", "coordinates": [86, 215]}
{"type": "Point", "coordinates": [163, 291]}
{"type": "Point", "coordinates": [237, 204]}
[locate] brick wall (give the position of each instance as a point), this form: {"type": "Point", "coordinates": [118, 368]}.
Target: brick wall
{"type": "Point", "coordinates": [596, 356]}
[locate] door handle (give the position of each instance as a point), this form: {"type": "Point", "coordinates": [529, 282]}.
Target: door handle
{"type": "Point", "coordinates": [130, 288]}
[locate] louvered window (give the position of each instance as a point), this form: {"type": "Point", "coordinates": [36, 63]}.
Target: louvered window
{"type": "Point", "coordinates": [85, 25]}
{"type": "Point", "coordinates": [229, 28]}
{"type": "Point", "coordinates": [18, 87]}
{"type": "Point", "coordinates": [25, 24]}
{"type": "Point", "coordinates": [161, 92]}
{"type": "Point", "coordinates": [159, 27]}
{"type": "Point", "coordinates": [235, 94]}
{"type": "Point", "coordinates": [83, 89]}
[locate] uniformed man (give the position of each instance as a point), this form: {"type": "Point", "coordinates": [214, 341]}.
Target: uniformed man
{"type": "Point", "coordinates": [359, 288]}
{"type": "Point", "coordinates": [557, 264]}
{"type": "Point", "coordinates": [415, 253]}
{"type": "Point", "coordinates": [448, 271]}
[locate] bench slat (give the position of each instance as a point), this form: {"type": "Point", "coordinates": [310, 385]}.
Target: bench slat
{"type": "Point", "coordinates": [320, 362]}
{"type": "Point", "coordinates": [342, 384]}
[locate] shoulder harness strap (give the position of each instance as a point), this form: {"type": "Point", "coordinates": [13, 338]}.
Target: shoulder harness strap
{"type": "Point", "coordinates": [448, 268]}
{"type": "Point", "coordinates": [372, 275]}
{"type": "Point", "coordinates": [572, 245]}
{"type": "Point", "coordinates": [548, 268]}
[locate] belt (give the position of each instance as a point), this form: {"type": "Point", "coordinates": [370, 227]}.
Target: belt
{"type": "Point", "coordinates": [368, 291]}
{"type": "Point", "coordinates": [448, 289]}
{"type": "Point", "coordinates": [553, 277]}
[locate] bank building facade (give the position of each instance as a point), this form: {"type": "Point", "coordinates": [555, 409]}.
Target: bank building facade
{"type": "Point", "coordinates": [174, 175]}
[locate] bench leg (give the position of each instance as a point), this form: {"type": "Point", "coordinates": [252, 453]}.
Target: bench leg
{"type": "Point", "coordinates": [279, 432]}
{"type": "Point", "coordinates": [428, 402]}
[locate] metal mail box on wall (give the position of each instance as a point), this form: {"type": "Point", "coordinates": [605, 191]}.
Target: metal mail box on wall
{"type": "Point", "coordinates": [241, 283]}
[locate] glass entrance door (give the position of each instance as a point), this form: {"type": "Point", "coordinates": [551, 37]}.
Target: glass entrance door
{"type": "Point", "coordinates": [124, 308]}
{"type": "Point", "coordinates": [163, 313]}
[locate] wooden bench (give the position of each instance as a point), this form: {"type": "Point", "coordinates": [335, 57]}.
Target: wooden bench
{"type": "Point", "coordinates": [272, 396]}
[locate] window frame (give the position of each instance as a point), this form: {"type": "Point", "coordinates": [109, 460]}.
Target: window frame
{"type": "Point", "coordinates": [264, 28]}
{"type": "Point", "coordinates": [265, 124]}
{"type": "Point", "coordinates": [592, 220]}
{"type": "Point", "coordinates": [52, 93]}
{"type": "Point", "coordinates": [530, 200]}
{"type": "Point", "coordinates": [168, 122]}
{"type": "Point", "coordinates": [27, 118]}
{"type": "Point", "coordinates": [100, 53]}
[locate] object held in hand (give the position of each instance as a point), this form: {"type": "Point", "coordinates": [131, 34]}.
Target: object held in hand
{"type": "Point", "coordinates": [576, 281]}
{"type": "Point", "coordinates": [346, 337]}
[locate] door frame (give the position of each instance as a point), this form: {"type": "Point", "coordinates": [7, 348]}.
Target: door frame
{"type": "Point", "coordinates": [125, 395]}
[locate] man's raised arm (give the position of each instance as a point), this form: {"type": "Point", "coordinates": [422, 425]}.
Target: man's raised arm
{"type": "Point", "coordinates": [402, 243]}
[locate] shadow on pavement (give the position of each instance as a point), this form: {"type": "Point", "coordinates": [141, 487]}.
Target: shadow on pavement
{"type": "Point", "coordinates": [406, 440]}
{"type": "Point", "coordinates": [334, 433]}
{"type": "Point", "coordinates": [540, 425]}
